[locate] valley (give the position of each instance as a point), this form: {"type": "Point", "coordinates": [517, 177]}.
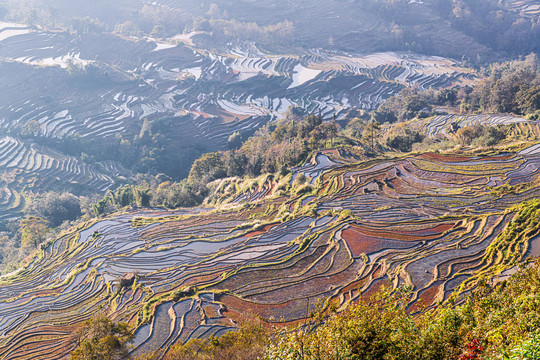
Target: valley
{"type": "Point", "coordinates": [209, 95]}
{"type": "Point", "coordinates": [178, 172]}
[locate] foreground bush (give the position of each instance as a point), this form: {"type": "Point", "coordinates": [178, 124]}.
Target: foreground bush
{"type": "Point", "coordinates": [495, 322]}
{"type": "Point", "coordinates": [500, 322]}
{"type": "Point", "coordinates": [247, 343]}
{"type": "Point", "coordinates": [101, 339]}
{"type": "Point", "coordinates": [378, 328]}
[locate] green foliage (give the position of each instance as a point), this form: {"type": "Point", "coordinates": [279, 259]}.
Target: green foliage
{"type": "Point", "coordinates": [165, 21]}
{"type": "Point", "coordinates": [510, 87]}
{"type": "Point", "coordinates": [371, 133]}
{"type": "Point", "coordinates": [375, 328]}
{"type": "Point", "coordinates": [281, 32]}
{"type": "Point", "coordinates": [300, 179]}
{"type": "Point", "coordinates": [355, 127]}
{"type": "Point", "coordinates": [480, 135]}
{"type": "Point", "coordinates": [181, 194]}
{"type": "Point", "coordinates": [274, 148]}
{"type": "Point", "coordinates": [87, 25]}
{"type": "Point", "coordinates": [54, 207]}
{"type": "Point", "coordinates": [304, 189]}
{"type": "Point", "coordinates": [408, 104]}
{"type": "Point", "coordinates": [33, 231]}
{"type": "Point", "coordinates": [158, 31]}
{"type": "Point", "coordinates": [32, 128]}
{"type": "Point", "coordinates": [404, 142]}
{"type": "Point", "coordinates": [491, 23]}
{"type": "Point", "coordinates": [447, 97]}
{"type": "Point", "coordinates": [101, 339]}
{"type": "Point", "coordinates": [167, 194]}
{"type": "Point", "coordinates": [101, 207]}
{"type": "Point", "coordinates": [235, 140]}
{"type": "Point", "coordinates": [492, 135]}
{"type": "Point", "coordinates": [496, 322]}
{"type": "Point", "coordinates": [128, 28]}
{"type": "Point", "coordinates": [161, 146]}
{"type": "Point", "coordinates": [384, 115]}
{"type": "Point", "coordinates": [124, 196]}
{"type": "Point", "coordinates": [142, 195]}
{"type": "Point", "coordinates": [534, 116]}
{"type": "Point", "coordinates": [208, 168]}
{"type": "Point", "coordinates": [248, 343]}
{"type": "Point", "coordinates": [529, 349]}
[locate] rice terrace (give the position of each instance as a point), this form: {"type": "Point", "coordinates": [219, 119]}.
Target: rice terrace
{"type": "Point", "coordinates": [237, 180]}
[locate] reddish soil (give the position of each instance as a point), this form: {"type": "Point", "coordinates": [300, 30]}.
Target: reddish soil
{"type": "Point", "coordinates": [204, 115]}
{"type": "Point", "coordinates": [443, 158]}
{"type": "Point", "coordinates": [210, 311]}
{"type": "Point", "coordinates": [265, 229]}
{"type": "Point", "coordinates": [361, 244]}
{"type": "Point", "coordinates": [426, 298]}
{"type": "Point", "coordinates": [240, 306]}
{"type": "Point", "coordinates": [203, 279]}
{"type": "Point", "coordinates": [363, 240]}
{"type": "Point", "coordinates": [429, 294]}
{"type": "Point", "coordinates": [375, 288]}
{"type": "Point", "coordinates": [331, 152]}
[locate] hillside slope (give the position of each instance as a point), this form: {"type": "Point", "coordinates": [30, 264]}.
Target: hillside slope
{"type": "Point", "coordinates": [430, 221]}
{"type": "Point", "coordinates": [92, 97]}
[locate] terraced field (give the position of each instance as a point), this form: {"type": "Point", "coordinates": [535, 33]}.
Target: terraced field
{"type": "Point", "coordinates": [430, 221]}
{"type": "Point", "coordinates": [145, 79]}
{"type": "Point", "coordinates": [442, 124]}
{"type": "Point", "coordinates": [101, 87]}
{"type": "Point", "coordinates": [26, 166]}
{"type": "Point", "coordinates": [524, 7]}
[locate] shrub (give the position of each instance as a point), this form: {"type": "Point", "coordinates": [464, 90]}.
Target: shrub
{"type": "Point", "coordinates": [247, 343]}
{"type": "Point", "coordinates": [100, 338]}
{"type": "Point", "coordinates": [405, 142]}
{"type": "Point", "coordinates": [53, 207]}
{"type": "Point", "coordinates": [527, 350]}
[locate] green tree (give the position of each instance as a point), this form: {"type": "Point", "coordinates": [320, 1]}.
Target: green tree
{"type": "Point", "coordinates": [142, 195]}
{"type": "Point", "coordinates": [404, 142]}
{"type": "Point", "coordinates": [447, 97]}
{"type": "Point", "coordinates": [32, 128]}
{"type": "Point", "coordinates": [235, 140]}
{"type": "Point", "coordinates": [371, 133]}
{"type": "Point", "coordinates": [33, 231]}
{"type": "Point", "coordinates": [247, 343]}
{"type": "Point", "coordinates": [312, 121]}
{"type": "Point", "coordinates": [529, 99]}
{"type": "Point", "coordinates": [323, 132]}
{"type": "Point", "coordinates": [102, 207]}
{"type": "Point", "coordinates": [158, 31]}
{"type": "Point", "coordinates": [54, 207]}
{"type": "Point", "coordinates": [128, 28]}
{"type": "Point", "coordinates": [32, 18]}
{"type": "Point", "coordinates": [382, 116]}
{"type": "Point", "coordinates": [207, 168]}
{"type": "Point", "coordinates": [101, 339]}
